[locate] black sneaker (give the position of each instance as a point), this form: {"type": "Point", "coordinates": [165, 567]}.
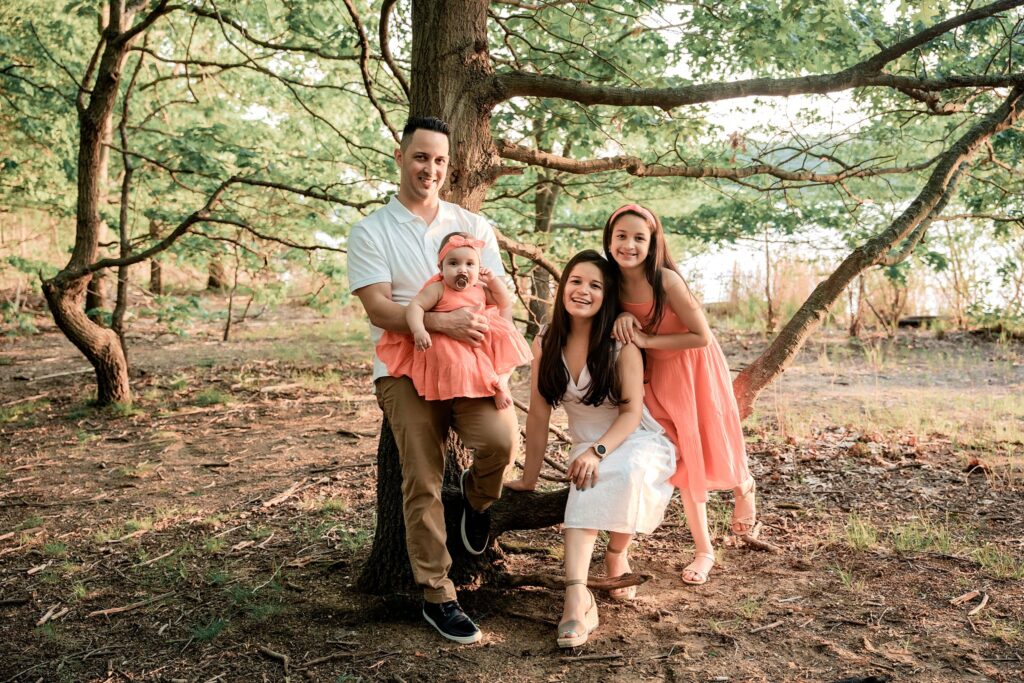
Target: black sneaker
{"type": "Point", "coordinates": [451, 622]}
{"type": "Point", "coordinates": [476, 526]}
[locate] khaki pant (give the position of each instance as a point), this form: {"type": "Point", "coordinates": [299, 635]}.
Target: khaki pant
{"type": "Point", "coordinates": [421, 428]}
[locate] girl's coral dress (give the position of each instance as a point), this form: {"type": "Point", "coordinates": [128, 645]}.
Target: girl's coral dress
{"type": "Point", "coordinates": [689, 392]}
{"type": "Point", "coordinates": [450, 368]}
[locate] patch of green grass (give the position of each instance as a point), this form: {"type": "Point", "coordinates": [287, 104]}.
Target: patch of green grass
{"type": "Point", "coordinates": [356, 540]}
{"type": "Point", "coordinates": [921, 536]}
{"type": "Point", "coordinates": [1010, 631]}
{"type": "Point", "coordinates": [861, 534]}
{"type": "Point", "coordinates": [209, 631]}
{"type": "Point", "coordinates": [178, 382]}
{"type": "Point", "coordinates": [30, 522]}
{"type": "Point", "coordinates": [998, 563]}
{"type": "Point", "coordinates": [123, 409]}
{"type": "Point", "coordinates": [214, 544]}
{"type": "Point", "coordinates": [211, 397]}
{"type": "Point", "coordinates": [80, 411]}
{"type": "Point", "coordinates": [6, 360]}
{"type": "Point", "coordinates": [206, 362]}
{"type": "Point", "coordinates": [78, 592]}
{"type": "Point", "coordinates": [55, 549]}
{"type": "Point", "coordinates": [260, 533]}
{"type": "Point", "coordinates": [15, 412]}
{"type": "Point", "coordinates": [262, 611]}
{"type": "Point", "coordinates": [218, 577]}
{"type": "Point", "coordinates": [749, 608]}
{"type": "Point", "coordinates": [332, 505]}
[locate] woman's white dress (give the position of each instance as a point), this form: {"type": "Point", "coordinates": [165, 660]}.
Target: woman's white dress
{"type": "Point", "coordinates": [632, 489]}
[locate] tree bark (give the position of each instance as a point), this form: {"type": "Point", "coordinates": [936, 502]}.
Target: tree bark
{"type": "Point", "coordinates": [65, 291]}
{"type": "Point", "coordinates": [156, 280]}
{"type": "Point", "coordinates": [545, 197]}
{"type": "Point", "coordinates": [215, 280]}
{"type": "Point", "coordinates": [451, 76]}
{"type": "Point", "coordinates": [929, 203]}
{"type": "Point", "coordinates": [96, 296]}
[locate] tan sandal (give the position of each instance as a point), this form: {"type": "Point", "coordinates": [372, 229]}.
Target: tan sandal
{"type": "Point", "coordinates": [702, 576]}
{"type": "Point", "coordinates": [573, 633]}
{"type": "Point", "coordinates": [749, 519]}
{"type": "Point", "coordinates": [620, 594]}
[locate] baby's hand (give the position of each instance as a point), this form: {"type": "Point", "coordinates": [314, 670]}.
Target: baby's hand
{"type": "Point", "coordinates": [422, 340]}
{"type": "Point", "coordinates": [486, 275]}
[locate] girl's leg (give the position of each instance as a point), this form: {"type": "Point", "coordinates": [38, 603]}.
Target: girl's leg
{"type": "Point", "coordinates": [579, 547]}
{"type": "Point", "coordinates": [697, 518]}
{"type": "Point", "coordinates": [616, 562]}
{"type": "Point", "coordinates": [744, 510]}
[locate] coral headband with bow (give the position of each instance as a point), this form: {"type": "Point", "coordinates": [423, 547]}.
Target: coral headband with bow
{"type": "Point", "coordinates": [456, 241]}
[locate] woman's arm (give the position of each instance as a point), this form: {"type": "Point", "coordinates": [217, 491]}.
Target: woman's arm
{"type": "Point", "coordinates": [537, 421]}
{"type": "Point", "coordinates": [688, 309]}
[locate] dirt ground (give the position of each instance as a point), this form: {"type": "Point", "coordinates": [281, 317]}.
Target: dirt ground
{"type": "Point", "coordinates": [217, 526]}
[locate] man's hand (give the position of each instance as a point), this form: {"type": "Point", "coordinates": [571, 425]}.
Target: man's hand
{"type": "Point", "coordinates": [464, 324]}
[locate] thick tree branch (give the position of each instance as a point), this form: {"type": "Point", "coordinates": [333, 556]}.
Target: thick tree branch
{"type": "Point", "coordinates": [530, 251]}
{"type": "Point", "coordinates": [749, 383]}
{"type": "Point", "coordinates": [161, 9]}
{"type": "Point", "coordinates": [364, 60]}
{"type": "Point", "coordinates": [897, 257]}
{"type": "Point", "coordinates": [634, 166]}
{"type": "Point", "coordinates": [385, 48]}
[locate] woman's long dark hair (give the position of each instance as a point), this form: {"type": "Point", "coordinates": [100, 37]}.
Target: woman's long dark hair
{"type": "Point", "coordinates": [657, 258]}
{"type": "Point", "coordinates": [604, 378]}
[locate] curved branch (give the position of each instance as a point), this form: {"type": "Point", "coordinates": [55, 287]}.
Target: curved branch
{"type": "Point", "coordinates": [385, 49]}
{"type": "Point", "coordinates": [897, 257]}
{"type": "Point", "coordinates": [530, 251]}
{"type": "Point", "coordinates": [364, 58]}
{"type": "Point", "coordinates": [770, 364]}
{"type": "Point", "coordinates": [867, 73]}
{"type": "Point", "coordinates": [634, 166]}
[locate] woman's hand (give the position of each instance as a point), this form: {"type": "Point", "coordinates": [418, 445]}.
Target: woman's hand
{"type": "Point", "coordinates": [520, 485]}
{"type": "Point", "coordinates": [625, 328]}
{"type": "Point", "coordinates": [642, 339]}
{"type": "Point", "coordinates": [583, 470]}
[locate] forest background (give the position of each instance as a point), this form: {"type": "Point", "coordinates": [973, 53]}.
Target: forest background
{"type": "Point", "coordinates": [177, 181]}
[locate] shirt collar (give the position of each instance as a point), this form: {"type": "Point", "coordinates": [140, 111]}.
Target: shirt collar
{"type": "Point", "coordinates": [404, 215]}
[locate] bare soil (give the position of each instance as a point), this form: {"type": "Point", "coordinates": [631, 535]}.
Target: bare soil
{"type": "Point", "coordinates": [217, 527]}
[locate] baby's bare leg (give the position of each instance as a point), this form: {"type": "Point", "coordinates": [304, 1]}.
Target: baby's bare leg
{"type": "Point", "coordinates": [502, 395]}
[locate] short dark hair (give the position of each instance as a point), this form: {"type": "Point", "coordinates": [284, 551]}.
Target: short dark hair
{"type": "Point", "coordinates": [416, 123]}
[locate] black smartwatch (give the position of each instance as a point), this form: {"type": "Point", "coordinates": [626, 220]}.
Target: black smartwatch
{"type": "Point", "coordinates": [600, 449]}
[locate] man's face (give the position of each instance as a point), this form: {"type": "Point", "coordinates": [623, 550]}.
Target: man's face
{"type": "Point", "coordinates": [423, 164]}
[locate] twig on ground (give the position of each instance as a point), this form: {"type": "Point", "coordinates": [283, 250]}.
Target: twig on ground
{"type": "Point", "coordinates": [981, 606]}
{"type": "Point", "coordinates": [966, 597]}
{"type": "Point", "coordinates": [284, 659]}
{"type": "Point", "coordinates": [592, 658]}
{"type": "Point", "coordinates": [128, 608]}
{"type": "Point", "coordinates": [758, 544]}
{"type": "Point", "coordinates": [555, 582]}
{"type": "Point", "coordinates": [767, 627]}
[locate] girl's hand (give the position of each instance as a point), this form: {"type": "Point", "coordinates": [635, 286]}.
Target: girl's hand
{"type": "Point", "coordinates": [520, 485]}
{"type": "Point", "coordinates": [626, 326]}
{"type": "Point", "coordinates": [422, 340]}
{"type": "Point", "coordinates": [641, 339]}
{"type": "Point", "coordinates": [583, 471]}
{"type": "Point", "coordinates": [486, 275]}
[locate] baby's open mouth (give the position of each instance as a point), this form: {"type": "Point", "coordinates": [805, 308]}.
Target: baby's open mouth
{"type": "Point", "coordinates": [461, 281]}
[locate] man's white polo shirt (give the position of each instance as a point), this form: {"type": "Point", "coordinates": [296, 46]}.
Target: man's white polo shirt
{"type": "Point", "coordinates": [394, 245]}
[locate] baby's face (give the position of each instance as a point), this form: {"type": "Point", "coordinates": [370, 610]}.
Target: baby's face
{"type": "Point", "coordinates": [461, 268]}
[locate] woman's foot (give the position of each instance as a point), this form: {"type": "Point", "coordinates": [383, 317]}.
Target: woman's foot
{"type": "Point", "coordinates": [502, 399]}
{"type": "Point", "coordinates": [616, 563]}
{"type": "Point", "coordinates": [744, 510]}
{"type": "Point", "coordinates": [579, 615]}
{"type": "Point", "coordinates": [697, 571]}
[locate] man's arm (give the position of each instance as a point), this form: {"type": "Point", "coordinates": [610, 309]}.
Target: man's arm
{"type": "Point", "coordinates": [461, 324]}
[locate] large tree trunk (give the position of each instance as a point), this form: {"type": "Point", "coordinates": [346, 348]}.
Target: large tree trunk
{"type": "Point", "coordinates": [451, 72]}
{"type": "Point", "coordinates": [929, 203]}
{"type": "Point", "coordinates": [96, 296]}
{"type": "Point", "coordinates": [65, 292]}
{"type": "Point", "coordinates": [387, 569]}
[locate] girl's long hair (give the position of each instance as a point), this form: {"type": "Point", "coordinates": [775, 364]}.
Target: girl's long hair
{"type": "Point", "coordinates": [657, 259]}
{"type": "Point", "coordinates": [604, 377]}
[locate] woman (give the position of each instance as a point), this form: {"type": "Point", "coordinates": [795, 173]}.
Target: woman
{"type": "Point", "coordinates": [620, 460]}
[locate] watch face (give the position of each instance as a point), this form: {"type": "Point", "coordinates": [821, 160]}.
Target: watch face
{"type": "Point", "coordinates": [600, 449]}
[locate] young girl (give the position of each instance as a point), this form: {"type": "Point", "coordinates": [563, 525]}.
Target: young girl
{"type": "Point", "coordinates": [440, 367]}
{"type": "Point", "coordinates": [689, 390]}
{"type": "Point", "coordinates": [620, 458]}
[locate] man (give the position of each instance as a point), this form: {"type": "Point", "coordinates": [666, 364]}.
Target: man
{"type": "Point", "coordinates": [391, 254]}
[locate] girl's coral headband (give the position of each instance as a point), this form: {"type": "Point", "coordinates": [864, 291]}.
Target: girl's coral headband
{"type": "Point", "coordinates": [456, 241]}
{"type": "Point", "coordinates": [635, 208]}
